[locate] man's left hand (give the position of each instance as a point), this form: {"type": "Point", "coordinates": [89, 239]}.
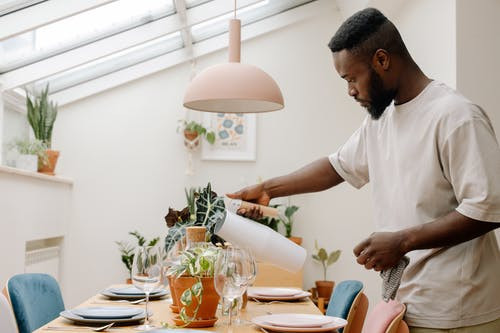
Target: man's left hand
{"type": "Point", "coordinates": [380, 251]}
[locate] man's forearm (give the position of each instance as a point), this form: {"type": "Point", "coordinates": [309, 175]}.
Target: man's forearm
{"type": "Point", "coordinates": [316, 176]}
{"type": "Point", "coordinates": [451, 229]}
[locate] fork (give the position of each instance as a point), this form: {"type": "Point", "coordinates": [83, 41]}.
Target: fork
{"type": "Point", "coordinates": [68, 328]}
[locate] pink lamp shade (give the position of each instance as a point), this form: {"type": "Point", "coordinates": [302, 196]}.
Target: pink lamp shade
{"type": "Point", "coordinates": [233, 87]}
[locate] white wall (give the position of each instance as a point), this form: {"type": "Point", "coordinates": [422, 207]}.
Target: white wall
{"type": "Point", "coordinates": [128, 163]}
{"type": "Point", "coordinates": [478, 53]}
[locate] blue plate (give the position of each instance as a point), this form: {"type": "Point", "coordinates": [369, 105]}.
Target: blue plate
{"type": "Point", "coordinates": [131, 291]}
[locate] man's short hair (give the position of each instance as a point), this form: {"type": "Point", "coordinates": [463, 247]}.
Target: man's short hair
{"type": "Point", "coordinates": [367, 31]}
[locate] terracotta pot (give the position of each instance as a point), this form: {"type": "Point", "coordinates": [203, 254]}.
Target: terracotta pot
{"type": "Point", "coordinates": [324, 289]}
{"type": "Point", "coordinates": [191, 137]}
{"type": "Point", "coordinates": [128, 281]}
{"type": "Point", "coordinates": [209, 302]}
{"type": "Point", "coordinates": [174, 307]}
{"type": "Point", "coordinates": [49, 167]}
{"type": "Point", "coordinates": [296, 240]}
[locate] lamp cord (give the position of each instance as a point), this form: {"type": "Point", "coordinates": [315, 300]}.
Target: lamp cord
{"type": "Point", "coordinates": [234, 9]}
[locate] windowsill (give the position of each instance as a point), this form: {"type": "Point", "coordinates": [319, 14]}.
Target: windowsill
{"type": "Point", "coordinates": [37, 175]}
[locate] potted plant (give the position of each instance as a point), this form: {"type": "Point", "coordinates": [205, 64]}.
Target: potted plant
{"type": "Point", "coordinates": [325, 287]}
{"type": "Point", "coordinates": [127, 250]}
{"type": "Point", "coordinates": [194, 287]}
{"type": "Point", "coordinates": [193, 129]}
{"type": "Point", "coordinates": [42, 114]}
{"type": "Point", "coordinates": [30, 151]}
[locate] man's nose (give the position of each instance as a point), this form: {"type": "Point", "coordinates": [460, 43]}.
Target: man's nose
{"type": "Point", "coordinates": [352, 91]}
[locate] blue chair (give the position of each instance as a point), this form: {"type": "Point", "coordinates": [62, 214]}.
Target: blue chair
{"type": "Point", "coordinates": [349, 302]}
{"type": "Point", "coordinates": [36, 300]}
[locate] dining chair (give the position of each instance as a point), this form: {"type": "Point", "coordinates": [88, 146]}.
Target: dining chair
{"type": "Point", "coordinates": [7, 320]}
{"type": "Point", "coordinates": [386, 317]}
{"type": "Point", "coordinates": [36, 300]}
{"type": "Point", "coordinates": [349, 302]}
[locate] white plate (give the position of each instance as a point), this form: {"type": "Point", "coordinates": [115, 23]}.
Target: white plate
{"type": "Point", "coordinates": [132, 291]}
{"type": "Point", "coordinates": [302, 294]}
{"type": "Point", "coordinates": [265, 322]}
{"type": "Point", "coordinates": [107, 312]}
{"type": "Point", "coordinates": [273, 292]}
{"type": "Point", "coordinates": [176, 330]}
{"type": "Point", "coordinates": [298, 320]}
{"type": "Point", "coordinates": [77, 319]}
{"type": "Point", "coordinates": [112, 295]}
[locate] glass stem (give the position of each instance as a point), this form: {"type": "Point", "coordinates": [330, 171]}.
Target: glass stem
{"type": "Point", "coordinates": [147, 312]}
{"type": "Point", "coordinates": [230, 312]}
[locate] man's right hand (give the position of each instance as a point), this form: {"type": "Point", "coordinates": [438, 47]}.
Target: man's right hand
{"type": "Point", "coordinates": [254, 193]}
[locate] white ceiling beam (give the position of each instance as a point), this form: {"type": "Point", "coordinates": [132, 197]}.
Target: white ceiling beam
{"type": "Point", "coordinates": [160, 63]}
{"type": "Point", "coordinates": [43, 14]}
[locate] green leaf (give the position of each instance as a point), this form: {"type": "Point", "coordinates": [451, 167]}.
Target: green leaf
{"type": "Point", "coordinates": [315, 257]}
{"type": "Point", "coordinates": [333, 257]}
{"type": "Point", "coordinates": [210, 137]}
{"type": "Point", "coordinates": [186, 297]}
{"type": "Point", "coordinates": [323, 256]}
{"type": "Point", "coordinates": [183, 315]}
{"type": "Point", "coordinates": [197, 289]}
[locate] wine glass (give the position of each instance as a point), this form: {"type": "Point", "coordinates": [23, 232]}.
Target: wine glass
{"type": "Point", "coordinates": [232, 273]}
{"type": "Point", "coordinates": [146, 274]}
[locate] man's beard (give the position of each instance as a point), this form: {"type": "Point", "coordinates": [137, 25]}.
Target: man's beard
{"type": "Point", "coordinates": [380, 98]}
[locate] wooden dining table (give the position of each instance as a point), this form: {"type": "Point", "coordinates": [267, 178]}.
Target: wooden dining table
{"type": "Point", "coordinates": [161, 313]}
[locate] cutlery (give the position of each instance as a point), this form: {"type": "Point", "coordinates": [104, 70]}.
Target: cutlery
{"type": "Point", "coordinates": [272, 302]}
{"type": "Point", "coordinates": [75, 328]}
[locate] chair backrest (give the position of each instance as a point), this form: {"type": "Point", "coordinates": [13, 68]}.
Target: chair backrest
{"type": "Point", "coordinates": [36, 299]}
{"type": "Point", "coordinates": [342, 299]}
{"type": "Point", "coordinates": [7, 320]}
{"type": "Point", "coordinates": [357, 314]}
{"type": "Point", "coordinates": [385, 317]}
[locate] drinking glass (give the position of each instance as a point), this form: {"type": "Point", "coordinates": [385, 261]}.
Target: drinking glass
{"type": "Point", "coordinates": [146, 275]}
{"type": "Point", "coordinates": [232, 273]}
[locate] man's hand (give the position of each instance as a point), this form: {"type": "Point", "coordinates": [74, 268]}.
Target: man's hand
{"type": "Point", "coordinates": [380, 251]}
{"type": "Point", "coordinates": [255, 193]}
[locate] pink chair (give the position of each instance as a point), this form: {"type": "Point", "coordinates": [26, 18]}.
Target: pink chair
{"type": "Point", "coordinates": [386, 318]}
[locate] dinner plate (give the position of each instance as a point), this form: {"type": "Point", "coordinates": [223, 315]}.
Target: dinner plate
{"type": "Point", "coordinates": [68, 314]}
{"type": "Point", "coordinates": [299, 320]}
{"type": "Point", "coordinates": [132, 291]}
{"type": "Point", "coordinates": [266, 322]}
{"type": "Point", "coordinates": [107, 312]}
{"type": "Point", "coordinates": [302, 294]}
{"type": "Point", "coordinates": [176, 330]}
{"type": "Point", "coordinates": [132, 297]}
{"type": "Point", "coordinates": [275, 292]}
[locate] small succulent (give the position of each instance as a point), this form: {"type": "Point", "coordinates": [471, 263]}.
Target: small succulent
{"type": "Point", "coordinates": [324, 258]}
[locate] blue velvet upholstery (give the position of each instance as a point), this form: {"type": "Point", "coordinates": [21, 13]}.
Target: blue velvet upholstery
{"type": "Point", "coordinates": [342, 298]}
{"type": "Point", "coordinates": [36, 299]}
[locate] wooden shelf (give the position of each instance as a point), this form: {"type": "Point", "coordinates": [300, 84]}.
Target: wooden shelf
{"type": "Point", "coordinates": [37, 175]}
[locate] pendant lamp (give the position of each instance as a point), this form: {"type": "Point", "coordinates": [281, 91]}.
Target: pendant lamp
{"type": "Point", "coordinates": [233, 87]}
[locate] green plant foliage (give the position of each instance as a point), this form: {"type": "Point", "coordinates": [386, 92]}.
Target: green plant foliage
{"type": "Point", "coordinates": [208, 208]}
{"type": "Point", "coordinates": [42, 114]}
{"type": "Point", "coordinates": [325, 259]}
{"type": "Point", "coordinates": [127, 250]}
{"type": "Point", "coordinates": [30, 147]}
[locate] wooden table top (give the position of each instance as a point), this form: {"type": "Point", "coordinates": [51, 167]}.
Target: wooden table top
{"type": "Point", "coordinates": [162, 313]}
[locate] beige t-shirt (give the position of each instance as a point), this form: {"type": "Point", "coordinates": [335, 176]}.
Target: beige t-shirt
{"type": "Point", "coordinates": [425, 158]}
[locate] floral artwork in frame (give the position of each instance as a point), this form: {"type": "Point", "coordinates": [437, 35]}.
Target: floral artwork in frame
{"type": "Point", "coordinates": [235, 137]}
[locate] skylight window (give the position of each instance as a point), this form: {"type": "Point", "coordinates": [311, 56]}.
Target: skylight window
{"type": "Point", "coordinates": [79, 30]}
{"type": "Point", "coordinates": [247, 15]}
{"type": "Point", "coordinates": [112, 63]}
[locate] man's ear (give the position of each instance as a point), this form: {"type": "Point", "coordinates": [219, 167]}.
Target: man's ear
{"type": "Point", "coordinates": [381, 60]}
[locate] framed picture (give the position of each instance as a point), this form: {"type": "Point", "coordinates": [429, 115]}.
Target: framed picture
{"type": "Point", "coordinates": [235, 137]}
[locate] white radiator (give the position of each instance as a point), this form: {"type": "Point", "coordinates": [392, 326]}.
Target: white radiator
{"type": "Point", "coordinates": [44, 260]}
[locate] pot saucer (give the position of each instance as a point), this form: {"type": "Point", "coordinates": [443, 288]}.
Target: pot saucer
{"type": "Point", "coordinates": [196, 323]}
{"type": "Point", "coordinates": [174, 308]}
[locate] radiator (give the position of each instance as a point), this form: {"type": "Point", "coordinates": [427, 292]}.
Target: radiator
{"type": "Point", "coordinates": [44, 260]}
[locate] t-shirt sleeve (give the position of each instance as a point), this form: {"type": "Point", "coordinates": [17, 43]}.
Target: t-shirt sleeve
{"type": "Point", "coordinates": [351, 161]}
{"type": "Point", "coordinates": [471, 162]}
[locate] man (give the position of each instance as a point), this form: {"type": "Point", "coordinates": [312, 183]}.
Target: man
{"type": "Point", "coordinates": [434, 164]}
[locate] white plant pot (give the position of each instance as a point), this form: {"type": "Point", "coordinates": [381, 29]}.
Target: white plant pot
{"type": "Point", "coordinates": [27, 162]}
